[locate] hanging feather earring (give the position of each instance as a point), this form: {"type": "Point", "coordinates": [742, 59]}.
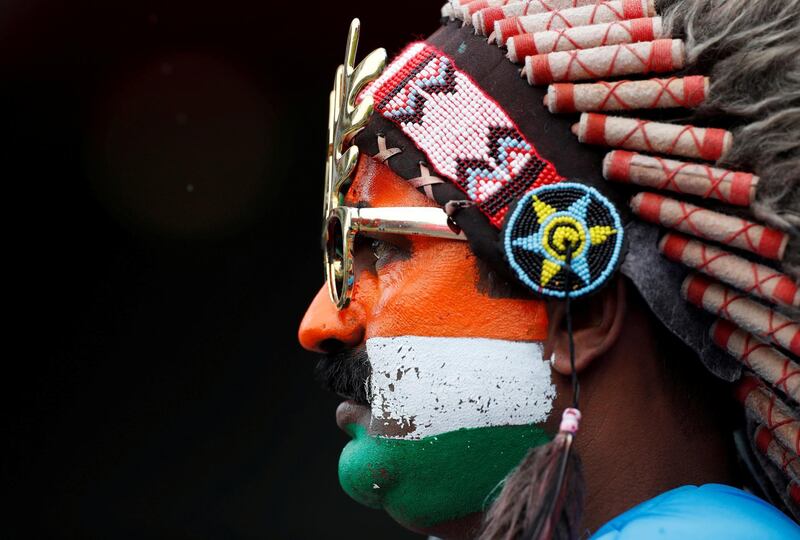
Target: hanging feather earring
{"type": "Point", "coordinates": [547, 242]}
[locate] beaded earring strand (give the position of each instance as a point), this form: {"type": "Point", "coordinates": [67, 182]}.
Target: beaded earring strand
{"type": "Point", "coordinates": [560, 516]}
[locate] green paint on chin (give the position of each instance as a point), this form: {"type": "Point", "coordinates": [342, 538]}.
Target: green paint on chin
{"type": "Point", "coordinates": [434, 479]}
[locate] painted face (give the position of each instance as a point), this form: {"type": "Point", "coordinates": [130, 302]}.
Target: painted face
{"type": "Point", "coordinates": [459, 388]}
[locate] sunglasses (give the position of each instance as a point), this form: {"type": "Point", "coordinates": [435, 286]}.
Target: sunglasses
{"type": "Point", "coordinates": [345, 118]}
{"type": "Point", "coordinates": [345, 222]}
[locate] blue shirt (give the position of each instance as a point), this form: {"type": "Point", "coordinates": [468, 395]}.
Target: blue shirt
{"type": "Point", "coordinates": [708, 512]}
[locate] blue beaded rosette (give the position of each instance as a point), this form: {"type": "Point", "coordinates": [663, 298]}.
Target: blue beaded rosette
{"type": "Point", "coordinates": [560, 223]}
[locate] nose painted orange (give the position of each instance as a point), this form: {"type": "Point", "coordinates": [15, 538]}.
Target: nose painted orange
{"type": "Point", "coordinates": [433, 293]}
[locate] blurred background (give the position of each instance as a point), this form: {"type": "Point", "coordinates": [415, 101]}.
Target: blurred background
{"type": "Point", "coordinates": [163, 166]}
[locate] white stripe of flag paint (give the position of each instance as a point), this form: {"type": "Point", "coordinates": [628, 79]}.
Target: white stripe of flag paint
{"type": "Point", "coordinates": [423, 386]}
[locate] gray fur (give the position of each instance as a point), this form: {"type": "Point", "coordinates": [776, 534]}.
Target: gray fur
{"type": "Point", "coordinates": [751, 49]}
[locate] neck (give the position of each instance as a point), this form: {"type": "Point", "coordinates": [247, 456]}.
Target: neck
{"type": "Point", "coordinates": [650, 424]}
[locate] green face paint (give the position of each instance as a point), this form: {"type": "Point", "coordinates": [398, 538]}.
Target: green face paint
{"type": "Point", "coordinates": [435, 479]}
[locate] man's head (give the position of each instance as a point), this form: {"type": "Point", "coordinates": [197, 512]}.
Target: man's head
{"type": "Point", "coordinates": [449, 384]}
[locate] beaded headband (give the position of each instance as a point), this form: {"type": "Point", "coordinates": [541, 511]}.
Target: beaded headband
{"type": "Point", "coordinates": [466, 135]}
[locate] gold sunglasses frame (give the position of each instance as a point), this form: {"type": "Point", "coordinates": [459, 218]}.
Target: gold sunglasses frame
{"type": "Point", "coordinates": [345, 119]}
{"type": "Point", "coordinates": [411, 220]}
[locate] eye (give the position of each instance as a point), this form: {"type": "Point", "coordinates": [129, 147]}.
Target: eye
{"type": "Point", "coordinates": [379, 248]}
{"type": "Point", "coordinates": [385, 252]}
{"type": "Point", "coordinates": [373, 253]}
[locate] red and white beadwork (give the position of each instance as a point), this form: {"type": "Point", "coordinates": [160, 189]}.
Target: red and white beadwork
{"type": "Point", "coordinates": [698, 179]}
{"type": "Point", "coordinates": [688, 92]}
{"type": "Point", "coordinates": [709, 144]}
{"type": "Point", "coordinates": [601, 12]}
{"type": "Point", "coordinates": [769, 363]}
{"type": "Point", "coordinates": [600, 42]}
{"type": "Point", "coordinates": [465, 134]}
{"type": "Point", "coordinates": [584, 37]}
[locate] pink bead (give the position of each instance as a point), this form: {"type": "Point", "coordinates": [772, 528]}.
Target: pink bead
{"type": "Point", "coordinates": [570, 420]}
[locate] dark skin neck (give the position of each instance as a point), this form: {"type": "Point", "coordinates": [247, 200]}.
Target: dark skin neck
{"type": "Point", "coordinates": [653, 418]}
{"type": "Point", "coordinates": [649, 425]}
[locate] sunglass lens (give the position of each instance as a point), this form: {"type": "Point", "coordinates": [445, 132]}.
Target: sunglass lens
{"type": "Point", "coordinates": [334, 253]}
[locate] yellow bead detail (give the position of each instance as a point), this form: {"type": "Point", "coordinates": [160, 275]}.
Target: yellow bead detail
{"type": "Point", "coordinates": [564, 229]}
{"type": "Point", "coordinates": [549, 270]}
{"type": "Point", "coordinates": [600, 234]}
{"type": "Point", "coordinates": [542, 209]}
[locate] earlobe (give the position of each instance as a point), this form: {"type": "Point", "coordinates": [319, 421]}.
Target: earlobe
{"type": "Point", "coordinates": [596, 324]}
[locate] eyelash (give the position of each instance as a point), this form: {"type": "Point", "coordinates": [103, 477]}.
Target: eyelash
{"type": "Point", "coordinates": [377, 253]}
{"type": "Point", "coordinates": [379, 248]}
{"type": "Point", "coordinates": [383, 252]}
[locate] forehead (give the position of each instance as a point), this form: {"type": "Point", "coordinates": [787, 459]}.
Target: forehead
{"type": "Point", "coordinates": [375, 184]}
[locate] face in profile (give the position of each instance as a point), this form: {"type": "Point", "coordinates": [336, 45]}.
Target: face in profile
{"type": "Point", "coordinates": [447, 383]}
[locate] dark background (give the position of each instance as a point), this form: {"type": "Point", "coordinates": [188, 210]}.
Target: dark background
{"type": "Point", "coordinates": [162, 168]}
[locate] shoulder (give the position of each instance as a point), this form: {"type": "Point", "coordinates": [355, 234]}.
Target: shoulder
{"type": "Point", "coordinates": [698, 513]}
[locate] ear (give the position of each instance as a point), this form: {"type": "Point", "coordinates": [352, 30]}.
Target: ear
{"type": "Point", "coordinates": [596, 327]}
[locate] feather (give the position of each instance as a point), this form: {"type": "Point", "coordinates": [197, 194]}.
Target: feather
{"type": "Point", "coordinates": [542, 498]}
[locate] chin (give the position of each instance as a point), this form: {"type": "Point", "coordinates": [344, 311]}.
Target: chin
{"type": "Point", "coordinates": [438, 484]}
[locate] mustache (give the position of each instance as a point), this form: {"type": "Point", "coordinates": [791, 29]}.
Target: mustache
{"type": "Point", "coordinates": [346, 374]}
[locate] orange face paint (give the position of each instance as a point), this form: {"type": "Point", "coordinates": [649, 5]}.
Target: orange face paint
{"type": "Point", "coordinates": [433, 293]}
{"type": "Point", "coordinates": [441, 392]}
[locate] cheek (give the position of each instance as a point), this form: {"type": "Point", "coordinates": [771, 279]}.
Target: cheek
{"type": "Point", "coordinates": [451, 418]}
{"type": "Point", "coordinates": [435, 293]}
{"type": "Point", "coordinates": [424, 386]}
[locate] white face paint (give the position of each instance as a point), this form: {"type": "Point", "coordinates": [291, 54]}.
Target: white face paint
{"type": "Point", "coordinates": [424, 386]}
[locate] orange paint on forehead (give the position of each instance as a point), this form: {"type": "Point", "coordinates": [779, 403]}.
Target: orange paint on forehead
{"type": "Point", "coordinates": [435, 292]}
{"type": "Point", "coordinates": [377, 185]}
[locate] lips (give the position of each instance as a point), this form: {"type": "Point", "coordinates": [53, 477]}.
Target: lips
{"type": "Point", "coordinates": [349, 412]}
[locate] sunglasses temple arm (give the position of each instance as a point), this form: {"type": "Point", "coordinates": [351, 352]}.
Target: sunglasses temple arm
{"type": "Point", "coordinates": [411, 221]}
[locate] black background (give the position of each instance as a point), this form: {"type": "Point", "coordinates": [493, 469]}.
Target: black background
{"type": "Point", "coordinates": [162, 169]}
